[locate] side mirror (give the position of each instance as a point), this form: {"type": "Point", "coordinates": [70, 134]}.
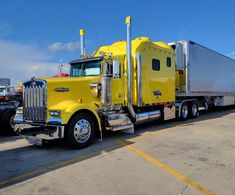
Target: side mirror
{"type": "Point", "coordinates": [116, 69]}
{"type": "Point", "coordinates": [108, 69]}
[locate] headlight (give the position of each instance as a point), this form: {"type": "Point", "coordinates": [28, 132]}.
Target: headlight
{"type": "Point", "coordinates": [54, 112]}
{"type": "Point", "coordinates": [19, 111]}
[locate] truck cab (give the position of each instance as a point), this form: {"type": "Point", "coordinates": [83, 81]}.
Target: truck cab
{"type": "Point", "coordinates": [7, 93]}
{"type": "Point", "coordinates": [121, 85]}
{"type": "Point", "coordinates": [96, 96]}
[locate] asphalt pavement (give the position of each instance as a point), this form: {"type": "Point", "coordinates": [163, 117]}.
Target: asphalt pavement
{"type": "Point", "coordinates": [174, 157]}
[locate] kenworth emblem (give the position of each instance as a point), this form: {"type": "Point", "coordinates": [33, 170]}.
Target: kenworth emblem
{"type": "Point", "coordinates": [62, 89]}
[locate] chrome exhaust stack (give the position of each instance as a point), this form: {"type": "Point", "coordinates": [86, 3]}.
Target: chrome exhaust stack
{"type": "Point", "coordinates": [82, 42]}
{"type": "Point", "coordinates": [129, 67]}
{"type": "Point", "coordinates": [138, 118]}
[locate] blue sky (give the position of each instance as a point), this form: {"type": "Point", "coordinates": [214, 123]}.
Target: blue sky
{"type": "Point", "coordinates": [36, 34]}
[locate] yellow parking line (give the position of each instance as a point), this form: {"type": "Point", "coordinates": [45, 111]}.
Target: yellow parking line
{"type": "Point", "coordinates": [60, 164]}
{"type": "Point", "coordinates": [168, 169]}
{"type": "Point", "coordinates": [57, 165]}
{"type": "Point", "coordinates": [23, 176]}
{"type": "Point", "coordinates": [150, 134]}
{"type": "Point", "coordinates": [162, 131]}
{"type": "Point", "coordinates": [144, 155]}
{"type": "Point", "coordinates": [212, 131]}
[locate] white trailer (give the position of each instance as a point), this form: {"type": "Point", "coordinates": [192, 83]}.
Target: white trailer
{"type": "Point", "coordinates": [204, 74]}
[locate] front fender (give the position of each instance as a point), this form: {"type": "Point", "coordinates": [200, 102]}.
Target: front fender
{"type": "Point", "coordinates": [69, 108]}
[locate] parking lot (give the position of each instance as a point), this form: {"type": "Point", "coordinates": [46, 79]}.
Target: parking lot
{"type": "Point", "coordinates": [192, 157]}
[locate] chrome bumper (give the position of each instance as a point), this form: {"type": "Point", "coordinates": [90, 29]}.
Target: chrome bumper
{"type": "Point", "coordinates": [38, 132]}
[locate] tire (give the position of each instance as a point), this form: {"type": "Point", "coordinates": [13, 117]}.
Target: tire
{"type": "Point", "coordinates": [184, 112]}
{"type": "Point", "coordinates": [6, 122]}
{"type": "Point", "coordinates": [194, 113]}
{"type": "Point", "coordinates": [74, 136]}
{"type": "Point", "coordinates": [1, 113]}
{"type": "Point", "coordinates": [1, 125]}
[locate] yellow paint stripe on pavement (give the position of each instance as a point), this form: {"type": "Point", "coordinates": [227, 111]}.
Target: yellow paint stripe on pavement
{"type": "Point", "coordinates": [56, 165]}
{"type": "Point", "coordinates": [151, 134]}
{"type": "Point", "coordinates": [63, 163]}
{"type": "Point", "coordinates": [168, 169]}
{"type": "Point", "coordinates": [177, 127]}
{"type": "Point", "coordinates": [212, 131]}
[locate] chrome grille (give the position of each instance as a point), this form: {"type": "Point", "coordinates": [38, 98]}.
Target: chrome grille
{"type": "Point", "coordinates": [35, 103]}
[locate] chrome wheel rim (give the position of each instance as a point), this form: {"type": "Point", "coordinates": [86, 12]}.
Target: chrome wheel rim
{"type": "Point", "coordinates": [194, 109]}
{"type": "Point", "coordinates": [82, 130]}
{"type": "Point", "coordinates": [185, 111]}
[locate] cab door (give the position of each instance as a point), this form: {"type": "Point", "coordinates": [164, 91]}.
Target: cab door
{"type": "Point", "coordinates": [117, 84]}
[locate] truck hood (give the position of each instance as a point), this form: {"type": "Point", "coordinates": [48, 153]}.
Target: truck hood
{"type": "Point", "coordinates": [77, 90]}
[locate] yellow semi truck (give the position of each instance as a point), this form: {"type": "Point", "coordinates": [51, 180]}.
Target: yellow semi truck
{"type": "Point", "coordinates": [122, 85]}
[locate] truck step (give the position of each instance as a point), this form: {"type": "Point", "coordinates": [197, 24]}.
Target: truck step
{"type": "Point", "coordinates": [120, 122]}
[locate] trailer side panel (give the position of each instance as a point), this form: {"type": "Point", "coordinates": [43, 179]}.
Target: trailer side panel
{"type": "Point", "coordinates": [206, 72]}
{"type": "Point", "coordinates": [210, 71]}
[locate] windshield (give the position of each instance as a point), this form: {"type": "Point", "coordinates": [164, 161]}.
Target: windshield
{"type": "Point", "coordinates": [2, 91]}
{"type": "Point", "coordinates": [81, 69]}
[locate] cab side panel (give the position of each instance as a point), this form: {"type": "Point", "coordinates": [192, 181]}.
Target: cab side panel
{"type": "Point", "coordinates": [158, 80]}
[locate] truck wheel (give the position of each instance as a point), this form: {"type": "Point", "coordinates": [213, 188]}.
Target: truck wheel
{"type": "Point", "coordinates": [80, 131]}
{"type": "Point", "coordinates": [7, 122]}
{"type": "Point", "coordinates": [184, 112]}
{"type": "Point", "coordinates": [194, 110]}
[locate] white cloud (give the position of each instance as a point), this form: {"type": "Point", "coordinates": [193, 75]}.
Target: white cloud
{"type": "Point", "coordinates": [231, 55]}
{"type": "Point", "coordinates": [59, 46]}
{"type": "Point", "coordinates": [21, 61]}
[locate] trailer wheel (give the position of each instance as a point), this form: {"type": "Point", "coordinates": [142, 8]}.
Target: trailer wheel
{"type": "Point", "coordinates": [80, 132]}
{"type": "Point", "coordinates": [184, 112]}
{"type": "Point", "coordinates": [194, 113]}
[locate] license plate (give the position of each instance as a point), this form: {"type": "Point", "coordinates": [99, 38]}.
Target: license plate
{"type": "Point", "coordinates": [35, 141]}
